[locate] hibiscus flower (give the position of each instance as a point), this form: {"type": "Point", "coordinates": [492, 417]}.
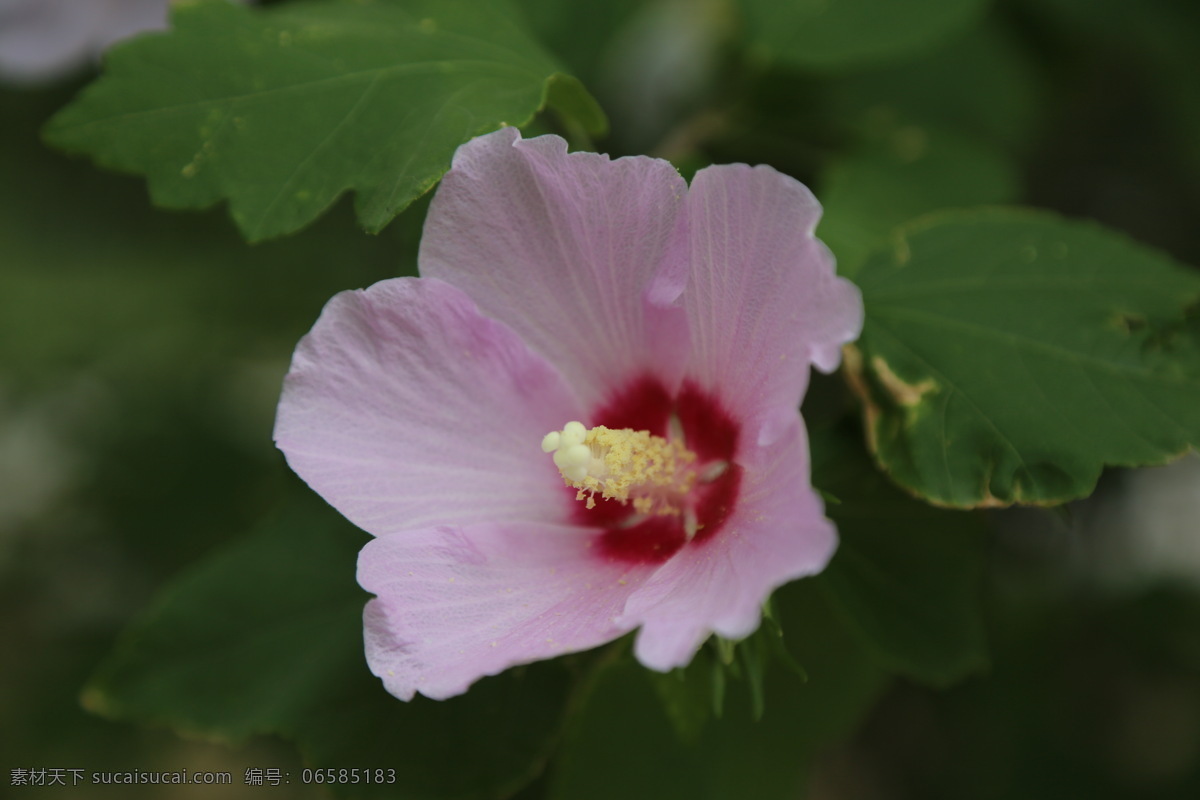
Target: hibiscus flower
{"type": "Point", "coordinates": [582, 419]}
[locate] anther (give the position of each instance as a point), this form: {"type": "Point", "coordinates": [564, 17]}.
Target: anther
{"type": "Point", "coordinates": [623, 465]}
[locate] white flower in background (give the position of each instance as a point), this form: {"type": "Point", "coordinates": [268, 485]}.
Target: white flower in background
{"type": "Point", "coordinates": [1149, 528]}
{"type": "Point", "coordinates": [40, 460]}
{"type": "Point", "coordinates": [1141, 528]}
{"type": "Point", "coordinates": [43, 40]}
{"type": "Point", "coordinates": [657, 67]}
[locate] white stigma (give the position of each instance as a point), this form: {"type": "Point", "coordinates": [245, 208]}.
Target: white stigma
{"type": "Point", "coordinates": [571, 455]}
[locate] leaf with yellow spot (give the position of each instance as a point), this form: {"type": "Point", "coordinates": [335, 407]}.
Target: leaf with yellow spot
{"type": "Point", "coordinates": [1009, 355]}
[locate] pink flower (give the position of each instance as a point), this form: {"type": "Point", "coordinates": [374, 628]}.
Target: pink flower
{"type": "Point", "coordinates": [563, 288]}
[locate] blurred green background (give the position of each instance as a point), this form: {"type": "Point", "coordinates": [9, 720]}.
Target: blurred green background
{"type": "Point", "coordinates": [141, 352]}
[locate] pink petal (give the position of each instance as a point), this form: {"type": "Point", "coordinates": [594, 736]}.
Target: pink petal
{"type": "Point", "coordinates": [777, 534]}
{"type": "Point", "coordinates": [405, 407]}
{"type": "Point", "coordinates": [763, 301]}
{"type": "Point", "coordinates": [564, 249]}
{"type": "Point", "coordinates": [456, 604]}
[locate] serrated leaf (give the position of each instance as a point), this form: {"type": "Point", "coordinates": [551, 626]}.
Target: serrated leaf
{"type": "Point", "coordinates": [1009, 355]}
{"type": "Point", "coordinates": [280, 110]}
{"type": "Point", "coordinates": [839, 34]}
{"type": "Point", "coordinates": [266, 637]}
{"type": "Point", "coordinates": [907, 577]}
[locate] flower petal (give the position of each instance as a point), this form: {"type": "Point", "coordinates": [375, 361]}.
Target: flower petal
{"type": "Point", "coordinates": [777, 534]}
{"type": "Point", "coordinates": [565, 249]}
{"type": "Point", "coordinates": [763, 300]}
{"type": "Point", "coordinates": [406, 407]}
{"type": "Point", "coordinates": [456, 604]}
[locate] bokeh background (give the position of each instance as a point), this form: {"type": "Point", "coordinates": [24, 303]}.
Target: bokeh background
{"type": "Point", "coordinates": [141, 352]}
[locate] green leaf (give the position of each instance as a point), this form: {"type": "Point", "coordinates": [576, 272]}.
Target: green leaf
{"type": "Point", "coordinates": [839, 34]}
{"type": "Point", "coordinates": [907, 577]}
{"type": "Point", "coordinates": [906, 172]}
{"type": "Point", "coordinates": [571, 100]}
{"type": "Point", "coordinates": [280, 110]}
{"type": "Point", "coordinates": [1009, 355]}
{"type": "Point", "coordinates": [266, 637]}
{"type": "Point", "coordinates": [622, 744]}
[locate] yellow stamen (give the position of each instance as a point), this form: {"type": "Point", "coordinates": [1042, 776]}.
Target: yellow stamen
{"type": "Point", "coordinates": [623, 465]}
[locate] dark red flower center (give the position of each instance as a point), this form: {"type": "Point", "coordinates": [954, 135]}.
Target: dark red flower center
{"type": "Point", "coordinates": [709, 432]}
